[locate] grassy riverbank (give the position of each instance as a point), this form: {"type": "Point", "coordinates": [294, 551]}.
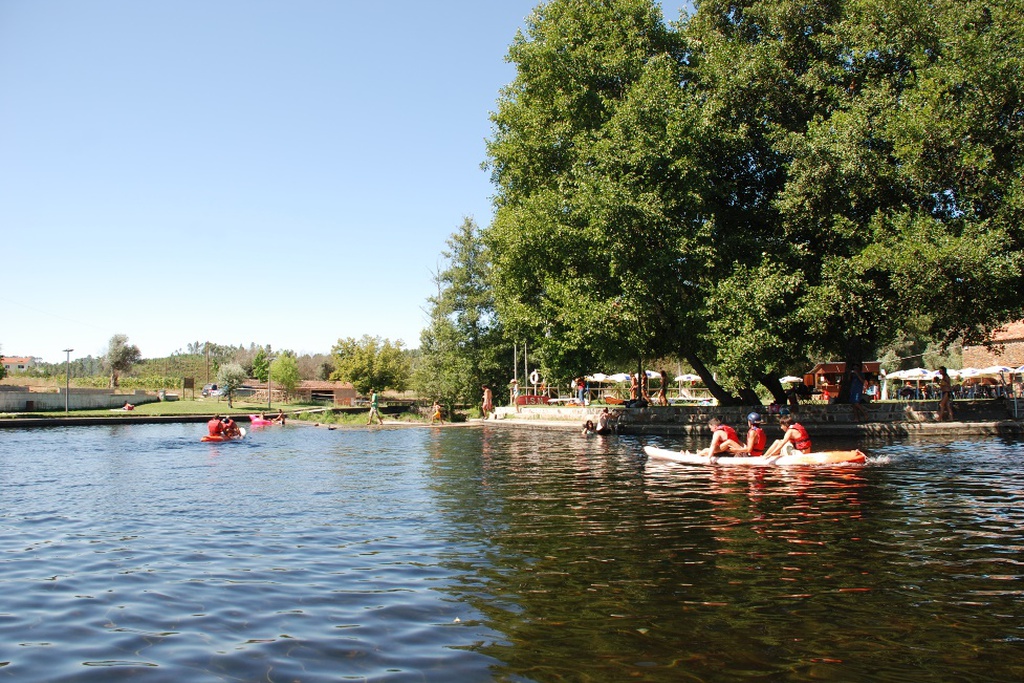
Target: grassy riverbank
{"type": "Point", "coordinates": [312, 413]}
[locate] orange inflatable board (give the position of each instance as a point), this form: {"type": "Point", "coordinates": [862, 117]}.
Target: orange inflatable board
{"type": "Point", "coordinates": [219, 438]}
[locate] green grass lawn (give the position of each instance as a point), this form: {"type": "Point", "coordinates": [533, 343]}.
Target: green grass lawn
{"type": "Point", "coordinates": [199, 406]}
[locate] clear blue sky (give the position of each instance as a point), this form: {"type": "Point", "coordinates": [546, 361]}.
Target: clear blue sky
{"type": "Point", "coordinates": [238, 171]}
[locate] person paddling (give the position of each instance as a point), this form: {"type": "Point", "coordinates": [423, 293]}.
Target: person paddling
{"type": "Point", "coordinates": [215, 426]}
{"type": "Point", "coordinates": [794, 438]}
{"type": "Point", "coordinates": [231, 430]}
{"type": "Point", "coordinates": [724, 440]}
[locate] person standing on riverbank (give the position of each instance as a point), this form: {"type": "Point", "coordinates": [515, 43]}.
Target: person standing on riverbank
{"type": "Point", "coordinates": [374, 408]}
{"type": "Point", "coordinates": [663, 389]}
{"type": "Point", "coordinates": [488, 401]}
{"type": "Point", "coordinates": [857, 392]}
{"type": "Point", "coordinates": [946, 395]}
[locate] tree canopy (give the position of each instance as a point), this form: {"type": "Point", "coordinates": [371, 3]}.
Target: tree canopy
{"type": "Point", "coordinates": [464, 346]}
{"type": "Point", "coordinates": [284, 371]}
{"type": "Point", "coordinates": [230, 377]}
{"type": "Point", "coordinates": [121, 356]}
{"type": "Point", "coordinates": [371, 363]}
{"type": "Point", "coordinates": [766, 182]}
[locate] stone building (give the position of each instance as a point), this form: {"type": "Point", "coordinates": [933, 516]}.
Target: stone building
{"type": "Point", "coordinates": [1007, 349]}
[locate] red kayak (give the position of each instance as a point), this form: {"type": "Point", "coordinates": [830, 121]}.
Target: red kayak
{"type": "Point", "coordinates": [221, 437]}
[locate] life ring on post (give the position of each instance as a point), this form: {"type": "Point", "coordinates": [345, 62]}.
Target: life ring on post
{"type": "Point", "coordinates": [534, 377]}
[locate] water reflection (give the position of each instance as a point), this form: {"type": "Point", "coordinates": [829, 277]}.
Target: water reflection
{"type": "Point", "coordinates": [489, 553]}
{"type": "Point", "coordinates": [662, 572]}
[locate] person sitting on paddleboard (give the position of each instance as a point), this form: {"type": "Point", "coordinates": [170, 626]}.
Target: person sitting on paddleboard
{"type": "Point", "coordinates": [215, 426]}
{"type": "Point", "coordinates": [230, 428]}
{"type": "Point", "coordinates": [756, 438]}
{"type": "Point", "coordinates": [724, 440]}
{"type": "Point", "coordinates": [794, 438]}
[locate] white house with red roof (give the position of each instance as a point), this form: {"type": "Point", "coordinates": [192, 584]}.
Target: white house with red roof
{"type": "Point", "coordinates": [18, 363]}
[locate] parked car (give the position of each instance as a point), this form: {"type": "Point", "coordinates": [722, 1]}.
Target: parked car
{"type": "Point", "coordinates": [211, 390]}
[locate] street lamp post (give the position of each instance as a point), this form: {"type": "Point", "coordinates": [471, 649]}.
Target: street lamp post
{"type": "Point", "coordinates": [270, 362]}
{"type": "Point", "coordinates": [67, 378]}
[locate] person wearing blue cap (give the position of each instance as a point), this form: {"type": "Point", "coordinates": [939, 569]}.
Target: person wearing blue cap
{"type": "Point", "coordinates": [756, 438]}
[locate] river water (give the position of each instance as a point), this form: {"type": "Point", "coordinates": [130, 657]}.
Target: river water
{"type": "Point", "coordinates": [494, 553]}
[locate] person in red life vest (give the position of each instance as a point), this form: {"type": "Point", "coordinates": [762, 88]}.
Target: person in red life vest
{"type": "Point", "coordinates": [724, 440]}
{"type": "Point", "coordinates": [756, 438]}
{"type": "Point", "coordinates": [794, 438]}
{"type": "Point", "coordinates": [231, 430]}
{"type": "Point", "coordinates": [215, 426]}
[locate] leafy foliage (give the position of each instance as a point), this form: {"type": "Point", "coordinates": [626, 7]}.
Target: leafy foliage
{"type": "Point", "coordinates": [464, 346]}
{"type": "Point", "coordinates": [230, 377]}
{"type": "Point", "coordinates": [261, 365]}
{"type": "Point", "coordinates": [371, 363]}
{"type": "Point", "coordinates": [595, 238]}
{"type": "Point", "coordinates": [121, 356]}
{"type": "Point", "coordinates": [769, 182]}
{"type": "Point", "coordinates": [285, 371]}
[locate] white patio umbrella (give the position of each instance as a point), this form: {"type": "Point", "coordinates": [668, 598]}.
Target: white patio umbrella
{"type": "Point", "coordinates": [995, 371]}
{"type": "Point", "coordinates": [597, 377]}
{"type": "Point", "coordinates": [619, 377]}
{"type": "Point", "coordinates": [917, 374]}
{"type": "Point", "coordinates": [790, 379]}
{"type": "Point", "coordinates": [1019, 371]}
{"type": "Point", "coordinates": [688, 377]}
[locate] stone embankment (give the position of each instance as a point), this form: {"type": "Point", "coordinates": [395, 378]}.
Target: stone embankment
{"type": "Point", "coordinates": [884, 419]}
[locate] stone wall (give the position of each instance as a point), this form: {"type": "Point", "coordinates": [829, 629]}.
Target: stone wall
{"type": "Point", "coordinates": [15, 399]}
{"type": "Point", "coordinates": [1008, 349]}
{"type": "Point", "coordinates": [693, 420]}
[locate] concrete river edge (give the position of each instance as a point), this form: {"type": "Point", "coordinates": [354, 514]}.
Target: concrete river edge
{"type": "Point", "coordinates": [891, 419]}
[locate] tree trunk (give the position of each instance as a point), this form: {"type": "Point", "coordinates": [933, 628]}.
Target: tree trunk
{"type": "Point", "coordinates": [854, 356]}
{"type": "Point", "coordinates": [723, 397]}
{"type": "Point", "coordinates": [775, 388]}
{"type": "Point", "coordinates": [749, 397]}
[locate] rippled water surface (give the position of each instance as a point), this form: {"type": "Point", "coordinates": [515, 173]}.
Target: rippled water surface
{"type": "Point", "coordinates": [491, 553]}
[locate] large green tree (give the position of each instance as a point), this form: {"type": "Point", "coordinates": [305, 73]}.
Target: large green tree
{"type": "Point", "coordinates": [913, 181]}
{"type": "Point", "coordinates": [464, 346]}
{"type": "Point", "coordinates": [284, 371]}
{"type": "Point", "coordinates": [771, 182]}
{"type": "Point", "coordinates": [120, 358]}
{"type": "Point", "coordinates": [596, 236]}
{"type": "Point", "coordinates": [371, 363]}
{"type": "Point", "coordinates": [865, 175]}
{"type": "Point", "coordinates": [230, 377]}
{"type": "Point", "coordinates": [261, 364]}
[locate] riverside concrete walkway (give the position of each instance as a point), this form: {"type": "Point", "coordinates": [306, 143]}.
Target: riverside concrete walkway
{"type": "Point", "coordinates": [886, 420]}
